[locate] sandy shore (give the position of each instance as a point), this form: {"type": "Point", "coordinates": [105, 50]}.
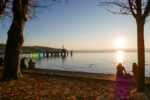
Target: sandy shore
{"type": "Point", "coordinates": [73, 74]}
{"type": "Point", "coordinates": [98, 76]}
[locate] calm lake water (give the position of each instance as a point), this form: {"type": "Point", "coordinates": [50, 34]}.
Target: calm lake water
{"type": "Point", "coordinates": [95, 62]}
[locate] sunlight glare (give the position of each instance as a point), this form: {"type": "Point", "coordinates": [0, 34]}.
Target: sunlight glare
{"type": "Point", "coordinates": [120, 56]}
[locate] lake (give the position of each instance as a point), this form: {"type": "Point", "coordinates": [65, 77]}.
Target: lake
{"type": "Point", "coordinates": [95, 62]}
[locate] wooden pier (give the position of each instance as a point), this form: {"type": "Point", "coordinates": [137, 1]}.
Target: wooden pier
{"type": "Point", "coordinates": [45, 53]}
{"type": "Point", "coordinates": [49, 53]}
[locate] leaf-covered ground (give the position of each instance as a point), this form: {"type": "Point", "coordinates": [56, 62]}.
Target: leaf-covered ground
{"type": "Point", "coordinates": [52, 87]}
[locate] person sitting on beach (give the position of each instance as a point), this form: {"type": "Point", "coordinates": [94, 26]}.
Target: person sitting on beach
{"type": "Point", "coordinates": [31, 64]}
{"type": "Point", "coordinates": [120, 70]}
{"type": "Point", "coordinates": [22, 63]}
{"type": "Point", "coordinates": [135, 70]}
{"type": "Point", "coordinates": [1, 61]}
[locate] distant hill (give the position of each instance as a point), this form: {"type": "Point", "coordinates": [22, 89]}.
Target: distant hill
{"type": "Point", "coordinates": [38, 48]}
{"type": "Point", "coordinates": [31, 48]}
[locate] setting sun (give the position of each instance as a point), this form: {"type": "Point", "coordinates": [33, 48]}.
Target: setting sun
{"type": "Point", "coordinates": [120, 43]}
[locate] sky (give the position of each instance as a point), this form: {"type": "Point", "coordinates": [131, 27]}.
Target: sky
{"type": "Point", "coordinates": [80, 24]}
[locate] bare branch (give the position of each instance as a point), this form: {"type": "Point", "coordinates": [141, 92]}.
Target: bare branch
{"type": "Point", "coordinates": [131, 8]}
{"type": "Point", "coordinates": [147, 10]}
{"type": "Point", "coordinates": [36, 5]}
{"type": "Point", "coordinates": [119, 4]}
{"type": "Point", "coordinates": [3, 5]}
{"type": "Point", "coordinates": [124, 7]}
{"type": "Point", "coordinates": [126, 12]}
{"type": "Point", "coordinates": [139, 9]}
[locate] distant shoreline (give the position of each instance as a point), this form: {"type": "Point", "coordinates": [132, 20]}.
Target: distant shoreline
{"type": "Point", "coordinates": [76, 51]}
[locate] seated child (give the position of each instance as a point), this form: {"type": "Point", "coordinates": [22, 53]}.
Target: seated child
{"type": "Point", "coordinates": [31, 64]}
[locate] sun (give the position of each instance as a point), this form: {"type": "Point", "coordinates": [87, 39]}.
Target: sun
{"type": "Point", "coordinates": [120, 43]}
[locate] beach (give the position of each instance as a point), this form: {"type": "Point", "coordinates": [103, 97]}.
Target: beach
{"type": "Point", "coordinates": [43, 84]}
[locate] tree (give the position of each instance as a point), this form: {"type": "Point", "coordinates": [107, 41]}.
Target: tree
{"type": "Point", "coordinates": [22, 10]}
{"type": "Point", "coordinates": [140, 10]}
{"type": "Point", "coordinates": [3, 5]}
{"type": "Point", "coordinates": [15, 40]}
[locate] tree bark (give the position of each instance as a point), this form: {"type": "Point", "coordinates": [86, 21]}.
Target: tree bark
{"type": "Point", "coordinates": [15, 42]}
{"type": "Point", "coordinates": [141, 55]}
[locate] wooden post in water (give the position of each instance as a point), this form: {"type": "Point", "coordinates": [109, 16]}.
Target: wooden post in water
{"type": "Point", "coordinates": [43, 54]}
{"type": "Point", "coordinates": [52, 53]}
{"type": "Point", "coordinates": [47, 54]}
{"type": "Point", "coordinates": [71, 53]}
{"type": "Point", "coordinates": [61, 53]}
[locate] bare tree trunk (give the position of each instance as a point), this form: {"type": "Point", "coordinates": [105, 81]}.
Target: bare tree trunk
{"type": "Point", "coordinates": [141, 56]}
{"type": "Point", "coordinates": [15, 42]}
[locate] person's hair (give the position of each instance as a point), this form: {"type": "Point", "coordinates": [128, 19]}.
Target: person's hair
{"type": "Point", "coordinates": [120, 64]}
{"type": "Point", "coordinates": [134, 64]}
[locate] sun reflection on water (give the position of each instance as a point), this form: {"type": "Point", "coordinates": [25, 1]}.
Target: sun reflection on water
{"type": "Point", "coordinates": [120, 56]}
